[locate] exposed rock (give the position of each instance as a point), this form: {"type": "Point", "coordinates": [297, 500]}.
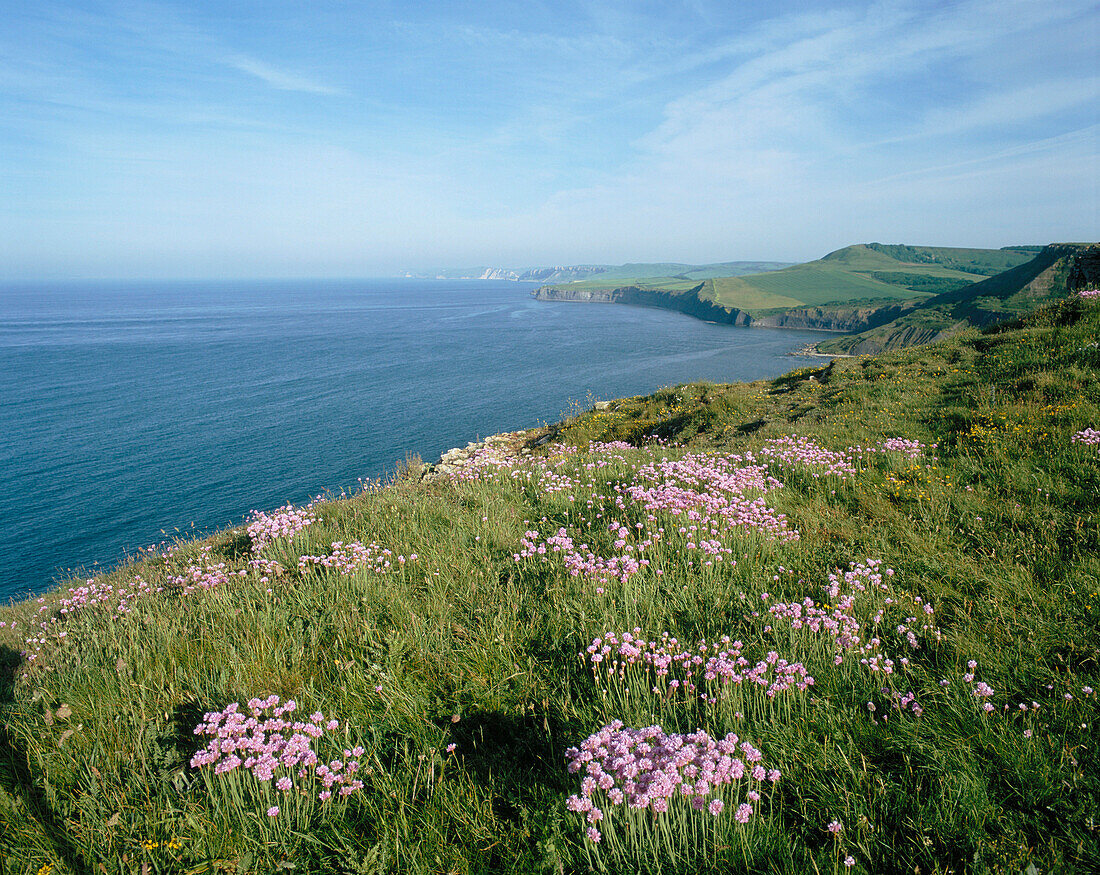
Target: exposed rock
{"type": "Point", "coordinates": [453, 460]}
{"type": "Point", "coordinates": [687, 302]}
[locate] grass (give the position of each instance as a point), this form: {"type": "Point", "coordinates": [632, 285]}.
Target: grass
{"type": "Point", "coordinates": [992, 522]}
{"type": "Point", "coordinates": [865, 273]}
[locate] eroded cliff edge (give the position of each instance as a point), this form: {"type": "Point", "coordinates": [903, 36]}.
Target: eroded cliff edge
{"type": "Point", "coordinates": [843, 319]}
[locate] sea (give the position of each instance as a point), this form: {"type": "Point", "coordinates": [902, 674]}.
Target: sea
{"type": "Point", "coordinates": [136, 412]}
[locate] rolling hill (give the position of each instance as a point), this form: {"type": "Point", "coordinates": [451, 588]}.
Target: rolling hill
{"type": "Point", "coordinates": [885, 295]}
{"type": "Point", "coordinates": [1053, 272]}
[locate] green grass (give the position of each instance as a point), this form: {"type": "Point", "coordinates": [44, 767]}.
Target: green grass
{"type": "Point", "coordinates": [810, 284]}
{"type": "Point", "coordinates": [1014, 292]}
{"type": "Point", "coordinates": [866, 273]}
{"type": "Point", "coordinates": [872, 271]}
{"type": "Point", "coordinates": [997, 528]}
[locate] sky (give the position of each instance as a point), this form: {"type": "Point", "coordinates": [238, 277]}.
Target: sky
{"type": "Point", "coordinates": [220, 138]}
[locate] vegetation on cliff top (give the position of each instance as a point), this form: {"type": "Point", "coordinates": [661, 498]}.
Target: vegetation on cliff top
{"type": "Point", "coordinates": [881, 574]}
{"type": "Point", "coordinates": [870, 272]}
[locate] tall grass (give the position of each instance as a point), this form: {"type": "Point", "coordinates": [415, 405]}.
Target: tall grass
{"type": "Point", "coordinates": [916, 666]}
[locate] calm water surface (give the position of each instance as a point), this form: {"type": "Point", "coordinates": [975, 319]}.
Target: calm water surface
{"type": "Point", "coordinates": [131, 410]}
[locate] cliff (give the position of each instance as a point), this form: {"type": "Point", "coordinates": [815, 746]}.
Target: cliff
{"type": "Point", "coordinates": [687, 302]}
{"type": "Point", "coordinates": [1056, 272]}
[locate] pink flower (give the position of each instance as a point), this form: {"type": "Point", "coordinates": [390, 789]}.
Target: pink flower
{"type": "Point", "coordinates": [835, 828]}
{"type": "Point", "coordinates": [849, 861]}
{"type": "Point", "coordinates": [451, 747]}
{"type": "Point", "coordinates": [716, 807]}
{"type": "Point", "coordinates": [593, 835]}
{"type": "Point", "coordinates": [273, 811]}
{"type": "Point", "coordinates": [744, 812]}
{"type": "Point", "coordinates": [283, 783]}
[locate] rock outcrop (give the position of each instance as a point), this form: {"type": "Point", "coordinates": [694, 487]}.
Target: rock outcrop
{"type": "Point", "coordinates": [455, 459]}
{"type": "Point", "coordinates": [687, 302]}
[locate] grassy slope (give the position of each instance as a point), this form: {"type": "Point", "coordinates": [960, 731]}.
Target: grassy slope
{"type": "Point", "coordinates": [871, 271]}
{"type": "Point", "coordinates": [1015, 291]}
{"type": "Point", "coordinates": [997, 528]}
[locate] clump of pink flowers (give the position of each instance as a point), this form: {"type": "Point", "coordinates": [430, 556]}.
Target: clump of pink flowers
{"type": "Point", "coordinates": [348, 558]}
{"type": "Point", "coordinates": [806, 453]}
{"type": "Point", "coordinates": [863, 588]}
{"type": "Point", "coordinates": [97, 599]}
{"type": "Point", "coordinates": [269, 744]}
{"type": "Point", "coordinates": [1090, 437]}
{"type": "Point", "coordinates": [710, 673]}
{"type": "Point", "coordinates": [629, 771]}
{"type": "Point", "coordinates": [287, 521]}
{"type": "Point", "coordinates": [1089, 294]}
{"type": "Point", "coordinates": [204, 574]}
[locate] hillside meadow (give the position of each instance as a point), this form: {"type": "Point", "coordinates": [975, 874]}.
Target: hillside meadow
{"type": "Point", "coordinates": [846, 620]}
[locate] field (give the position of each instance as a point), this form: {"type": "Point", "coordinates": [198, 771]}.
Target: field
{"type": "Point", "coordinates": [866, 272]}
{"type": "Point", "coordinates": [880, 574]}
{"type": "Point", "coordinates": [872, 274]}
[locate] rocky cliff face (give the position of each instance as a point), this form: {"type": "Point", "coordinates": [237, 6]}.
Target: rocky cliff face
{"type": "Point", "coordinates": [498, 273]}
{"type": "Point", "coordinates": [561, 274]}
{"type": "Point", "coordinates": [834, 318]}
{"type": "Point", "coordinates": [1085, 270]}
{"type": "Point", "coordinates": [687, 302]}
{"type": "Point", "coordinates": [909, 335]}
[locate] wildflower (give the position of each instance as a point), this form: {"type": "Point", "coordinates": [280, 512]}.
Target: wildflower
{"type": "Point", "coordinates": [716, 807]}
{"type": "Point", "coordinates": [744, 812]}
{"type": "Point", "coordinates": [849, 861]}
{"type": "Point", "coordinates": [835, 827]}
{"type": "Point", "coordinates": [593, 835]}
{"type": "Point", "coordinates": [273, 811]}
{"type": "Point", "coordinates": [451, 747]}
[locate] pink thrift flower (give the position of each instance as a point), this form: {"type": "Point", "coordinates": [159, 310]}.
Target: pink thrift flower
{"type": "Point", "coordinates": [744, 812]}
{"type": "Point", "coordinates": [716, 807]}
{"type": "Point", "coordinates": [273, 811]}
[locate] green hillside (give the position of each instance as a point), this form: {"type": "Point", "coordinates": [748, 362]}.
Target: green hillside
{"type": "Point", "coordinates": [869, 273]}
{"type": "Point", "coordinates": [846, 620]}
{"type": "Point", "coordinates": [866, 272]}
{"type": "Point", "coordinates": [1046, 277]}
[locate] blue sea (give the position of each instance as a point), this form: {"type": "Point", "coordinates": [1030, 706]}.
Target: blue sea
{"type": "Point", "coordinates": [130, 412]}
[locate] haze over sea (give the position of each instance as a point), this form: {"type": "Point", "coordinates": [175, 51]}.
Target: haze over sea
{"type": "Point", "coordinates": [132, 410]}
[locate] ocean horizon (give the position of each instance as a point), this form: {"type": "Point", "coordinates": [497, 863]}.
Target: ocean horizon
{"type": "Point", "coordinates": [135, 412]}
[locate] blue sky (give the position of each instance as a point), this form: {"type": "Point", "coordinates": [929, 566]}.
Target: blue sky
{"type": "Point", "coordinates": [362, 138]}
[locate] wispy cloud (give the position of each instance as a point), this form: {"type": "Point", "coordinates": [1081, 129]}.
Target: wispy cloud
{"type": "Point", "coordinates": [281, 79]}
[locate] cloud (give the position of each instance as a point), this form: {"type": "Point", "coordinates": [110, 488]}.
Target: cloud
{"type": "Point", "coordinates": [280, 79]}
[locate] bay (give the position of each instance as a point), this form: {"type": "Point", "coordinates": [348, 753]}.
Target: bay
{"type": "Point", "coordinates": [131, 412]}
